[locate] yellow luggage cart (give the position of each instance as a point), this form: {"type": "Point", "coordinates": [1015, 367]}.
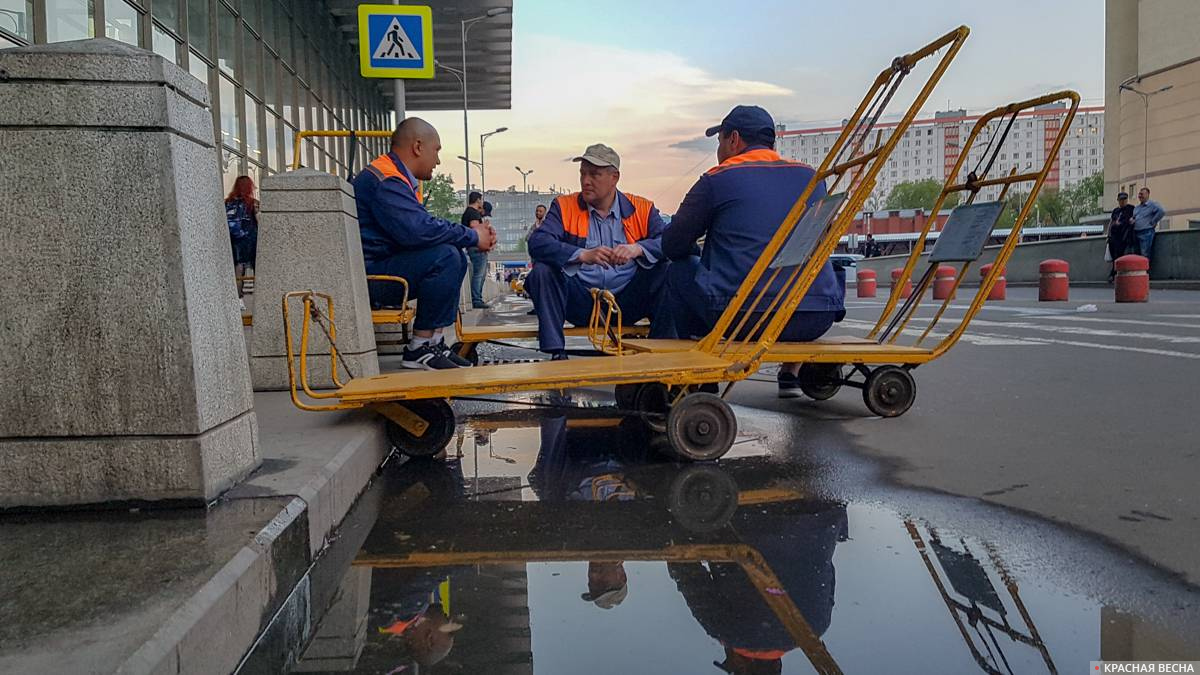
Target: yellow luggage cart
{"type": "Point", "coordinates": [888, 388]}
{"type": "Point", "coordinates": [699, 425]}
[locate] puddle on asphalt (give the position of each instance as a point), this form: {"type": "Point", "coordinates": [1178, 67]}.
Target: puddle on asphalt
{"type": "Point", "coordinates": [553, 543]}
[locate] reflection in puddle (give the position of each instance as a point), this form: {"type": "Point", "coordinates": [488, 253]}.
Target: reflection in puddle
{"type": "Point", "coordinates": [560, 544]}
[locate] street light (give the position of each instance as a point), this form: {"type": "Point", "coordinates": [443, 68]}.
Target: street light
{"type": "Point", "coordinates": [461, 77]}
{"type": "Point", "coordinates": [524, 176]}
{"type": "Point", "coordinates": [466, 27]}
{"type": "Point", "coordinates": [1127, 86]}
{"type": "Point", "coordinates": [483, 139]}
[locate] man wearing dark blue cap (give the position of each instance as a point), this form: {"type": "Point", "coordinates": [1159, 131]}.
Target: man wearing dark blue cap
{"type": "Point", "coordinates": [737, 206]}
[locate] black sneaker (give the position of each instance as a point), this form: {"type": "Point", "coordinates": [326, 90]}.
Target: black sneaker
{"type": "Point", "coordinates": [558, 356]}
{"type": "Point", "coordinates": [429, 356]}
{"type": "Point", "coordinates": [458, 360]}
{"type": "Point", "coordinates": [789, 385]}
{"type": "Point", "coordinates": [480, 305]}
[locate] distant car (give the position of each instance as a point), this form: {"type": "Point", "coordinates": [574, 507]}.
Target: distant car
{"type": "Point", "coordinates": [847, 262]}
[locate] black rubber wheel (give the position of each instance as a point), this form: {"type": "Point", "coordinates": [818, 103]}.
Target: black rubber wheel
{"type": "Point", "coordinates": [702, 498]}
{"type": "Point", "coordinates": [653, 400]}
{"type": "Point", "coordinates": [889, 391]}
{"type": "Point", "coordinates": [471, 353]}
{"type": "Point", "coordinates": [820, 381]}
{"type": "Point", "coordinates": [440, 416]}
{"type": "Point", "coordinates": [626, 396]}
{"type": "Point", "coordinates": [701, 427]}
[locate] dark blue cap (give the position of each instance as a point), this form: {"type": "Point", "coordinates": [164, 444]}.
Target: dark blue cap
{"type": "Point", "coordinates": [750, 121]}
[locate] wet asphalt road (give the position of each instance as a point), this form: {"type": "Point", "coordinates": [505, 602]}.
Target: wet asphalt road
{"type": "Point", "coordinates": [1058, 528]}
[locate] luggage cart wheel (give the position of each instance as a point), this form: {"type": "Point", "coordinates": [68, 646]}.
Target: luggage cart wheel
{"type": "Point", "coordinates": [440, 416]}
{"type": "Point", "coordinates": [626, 396]}
{"type": "Point", "coordinates": [469, 352]}
{"type": "Point", "coordinates": [701, 426]}
{"type": "Point", "coordinates": [820, 381]}
{"type": "Point", "coordinates": [889, 391]}
{"type": "Point", "coordinates": [702, 498]}
{"type": "Point", "coordinates": [653, 400]}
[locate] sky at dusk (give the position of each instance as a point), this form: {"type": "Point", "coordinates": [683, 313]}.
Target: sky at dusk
{"type": "Point", "coordinates": [648, 77]}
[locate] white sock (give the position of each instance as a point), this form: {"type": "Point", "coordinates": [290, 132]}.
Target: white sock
{"type": "Point", "coordinates": [417, 341]}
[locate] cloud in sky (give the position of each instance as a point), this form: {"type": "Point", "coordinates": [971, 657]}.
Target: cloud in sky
{"type": "Point", "coordinates": [649, 105]}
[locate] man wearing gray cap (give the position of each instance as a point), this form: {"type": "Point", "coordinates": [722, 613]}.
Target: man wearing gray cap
{"type": "Point", "coordinates": [595, 238]}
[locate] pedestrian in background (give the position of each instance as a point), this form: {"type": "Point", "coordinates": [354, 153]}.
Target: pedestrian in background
{"type": "Point", "coordinates": [1120, 232]}
{"type": "Point", "coordinates": [474, 213]}
{"type": "Point", "coordinates": [1146, 216]}
{"type": "Point", "coordinates": [241, 215]}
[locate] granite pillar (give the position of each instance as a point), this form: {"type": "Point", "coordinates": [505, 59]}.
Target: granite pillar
{"type": "Point", "coordinates": [122, 355]}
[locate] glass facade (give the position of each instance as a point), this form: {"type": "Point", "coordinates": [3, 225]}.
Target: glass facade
{"type": "Point", "coordinates": [272, 67]}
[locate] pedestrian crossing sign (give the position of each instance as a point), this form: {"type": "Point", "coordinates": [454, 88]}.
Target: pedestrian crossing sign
{"type": "Point", "coordinates": [395, 41]}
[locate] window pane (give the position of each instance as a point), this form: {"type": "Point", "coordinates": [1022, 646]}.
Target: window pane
{"type": "Point", "coordinates": [267, 30]}
{"type": "Point", "coordinates": [253, 150]}
{"type": "Point", "coordinates": [16, 17]}
{"type": "Point", "coordinates": [289, 146]}
{"type": "Point", "coordinates": [198, 68]}
{"type": "Point", "coordinates": [6, 43]}
{"type": "Point", "coordinates": [167, 13]}
{"type": "Point", "coordinates": [250, 76]}
{"type": "Point", "coordinates": [122, 22]}
{"type": "Point", "coordinates": [227, 37]}
{"type": "Point", "coordinates": [164, 45]}
{"type": "Point", "coordinates": [250, 13]}
{"type": "Point", "coordinates": [270, 81]}
{"type": "Point", "coordinates": [283, 27]}
{"type": "Point", "coordinates": [69, 20]}
{"type": "Point", "coordinates": [272, 142]}
{"type": "Point", "coordinates": [230, 134]}
{"type": "Point", "coordinates": [198, 24]}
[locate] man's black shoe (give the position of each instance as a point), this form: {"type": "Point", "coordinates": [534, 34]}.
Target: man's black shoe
{"type": "Point", "coordinates": [429, 356]}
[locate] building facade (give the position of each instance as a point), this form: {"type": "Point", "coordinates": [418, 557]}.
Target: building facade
{"type": "Point", "coordinates": [1152, 100]}
{"type": "Point", "coordinates": [512, 216]}
{"type": "Point", "coordinates": [272, 67]}
{"type": "Point", "coordinates": [930, 147]}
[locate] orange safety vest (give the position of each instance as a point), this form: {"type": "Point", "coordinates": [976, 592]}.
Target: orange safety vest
{"type": "Point", "coordinates": [760, 157]}
{"type": "Point", "coordinates": [383, 167]}
{"type": "Point", "coordinates": [576, 220]}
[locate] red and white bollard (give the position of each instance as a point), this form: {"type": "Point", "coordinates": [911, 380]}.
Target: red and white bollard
{"type": "Point", "coordinates": [943, 282]}
{"type": "Point", "coordinates": [1133, 278]}
{"type": "Point", "coordinates": [1000, 289]}
{"type": "Point", "coordinates": [907, 290]}
{"type": "Point", "coordinates": [866, 283]}
{"type": "Point", "coordinates": [1053, 283]}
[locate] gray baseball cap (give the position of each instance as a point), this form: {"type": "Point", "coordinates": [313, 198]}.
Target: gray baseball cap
{"type": "Point", "coordinates": [600, 154]}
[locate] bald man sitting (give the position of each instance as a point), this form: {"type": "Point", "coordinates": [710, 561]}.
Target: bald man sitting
{"type": "Point", "coordinates": [401, 238]}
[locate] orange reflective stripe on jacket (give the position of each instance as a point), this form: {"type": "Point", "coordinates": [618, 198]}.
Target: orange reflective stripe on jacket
{"type": "Point", "coordinates": [385, 168]}
{"type": "Point", "coordinates": [760, 157]}
{"type": "Point", "coordinates": [576, 219]}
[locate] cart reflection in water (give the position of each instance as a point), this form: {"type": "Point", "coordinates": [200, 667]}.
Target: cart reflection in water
{"type": "Point", "coordinates": [601, 545]}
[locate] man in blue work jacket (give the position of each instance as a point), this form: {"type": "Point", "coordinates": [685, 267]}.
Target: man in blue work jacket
{"type": "Point", "coordinates": [595, 238]}
{"type": "Point", "coordinates": [401, 238]}
{"type": "Point", "coordinates": [737, 206]}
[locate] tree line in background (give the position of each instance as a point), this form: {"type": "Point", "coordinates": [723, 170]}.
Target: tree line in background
{"type": "Point", "coordinates": [1055, 206]}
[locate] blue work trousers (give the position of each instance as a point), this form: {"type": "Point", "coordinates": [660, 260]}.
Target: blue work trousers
{"type": "Point", "coordinates": [434, 276]}
{"type": "Point", "coordinates": [558, 298]}
{"type": "Point", "coordinates": [687, 312]}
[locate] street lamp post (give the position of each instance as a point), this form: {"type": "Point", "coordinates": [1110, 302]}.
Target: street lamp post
{"type": "Point", "coordinates": [524, 177]}
{"type": "Point", "coordinates": [483, 139]}
{"type": "Point", "coordinates": [466, 27]}
{"type": "Point", "coordinates": [461, 77]}
{"type": "Point", "coordinates": [1128, 86]}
